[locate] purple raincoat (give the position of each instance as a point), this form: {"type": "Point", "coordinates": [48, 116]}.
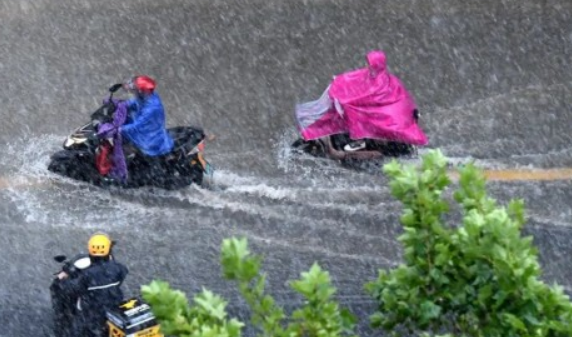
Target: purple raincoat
{"type": "Point", "coordinates": [119, 164]}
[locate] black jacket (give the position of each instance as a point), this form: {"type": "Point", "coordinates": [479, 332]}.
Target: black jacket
{"type": "Point", "coordinates": [98, 286]}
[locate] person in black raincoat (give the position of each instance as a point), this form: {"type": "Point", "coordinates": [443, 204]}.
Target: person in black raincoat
{"type": "Point", "coordinates": [97, 287]}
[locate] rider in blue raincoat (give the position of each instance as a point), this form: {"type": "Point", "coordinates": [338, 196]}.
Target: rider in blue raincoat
{"type": "Point", "coordinates": [145, 127]}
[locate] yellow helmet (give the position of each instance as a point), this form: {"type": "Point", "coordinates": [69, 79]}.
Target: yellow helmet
{"type": "Point", "coordinates": [99, 245]}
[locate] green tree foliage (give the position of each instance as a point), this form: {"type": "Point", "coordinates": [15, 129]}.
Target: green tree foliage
{"type": "Point", "coordinates": [479, 278]}
{"type": "Point", "coordinates": [318, 316]}
{"type": "Point", "coordinates": [206, 318]}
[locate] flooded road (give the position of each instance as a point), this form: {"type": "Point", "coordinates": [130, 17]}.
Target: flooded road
{"type": "Point", "coordinates": [493, 82]}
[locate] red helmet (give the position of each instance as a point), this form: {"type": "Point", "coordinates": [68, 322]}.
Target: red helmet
{"type": "Point", "coordinates": [144, 84]}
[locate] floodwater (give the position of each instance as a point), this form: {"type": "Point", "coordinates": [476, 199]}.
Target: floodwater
{"type": "Point", "coordinates": [493, 81]}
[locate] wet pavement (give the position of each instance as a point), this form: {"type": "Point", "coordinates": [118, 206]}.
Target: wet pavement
{"type": "Point", "coordinates": [493, 82]}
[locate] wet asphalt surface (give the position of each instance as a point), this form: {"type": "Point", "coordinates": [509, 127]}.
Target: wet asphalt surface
{"type": "Point", "coordinates": [493, 82]}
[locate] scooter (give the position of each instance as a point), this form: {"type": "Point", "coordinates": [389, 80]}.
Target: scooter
{"type": "Point", "coordinates": [333, 147]}
{"type": "Point", "coordinates": [132, 317]}
{"type": "Point", "coordinates": [183, 166]}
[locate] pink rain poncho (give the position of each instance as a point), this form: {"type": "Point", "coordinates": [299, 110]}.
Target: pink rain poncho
{"type": "Point", "coordinates": [366, 103]}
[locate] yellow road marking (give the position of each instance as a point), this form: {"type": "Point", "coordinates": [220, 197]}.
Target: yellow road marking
{"type": "Point", "coordinates": [525, 175]}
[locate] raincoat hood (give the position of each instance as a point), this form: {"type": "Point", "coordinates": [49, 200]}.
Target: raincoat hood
{"type": "Point", "coordinates": [376, 62]}
{"type": "Point", "coordinates": [362, 86]}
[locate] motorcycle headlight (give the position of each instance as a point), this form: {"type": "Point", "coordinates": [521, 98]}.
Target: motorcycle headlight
{"type": "Point", "coordinates": [74, 139]}
{"type": "Point", "coordinates": [68, 142]}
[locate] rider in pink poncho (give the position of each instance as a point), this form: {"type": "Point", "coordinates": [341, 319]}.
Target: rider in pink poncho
{"type": "Point", "coordinates": [366, 103]}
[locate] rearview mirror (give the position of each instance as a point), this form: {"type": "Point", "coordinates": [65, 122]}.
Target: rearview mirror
{"type": "Point", "coordinates": [60, 258]}
{"type": "Point", "coordinates": [115, 87]}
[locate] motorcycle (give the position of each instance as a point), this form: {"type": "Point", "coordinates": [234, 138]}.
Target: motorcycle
{"type": "Point", "coordinates": [64, 304]}
{"type": "Point", "coordinates": [183, 166]}
{"type": "Point", "coordinates": [131, 317]}
{"type": "Point", "coordinates": [333, 147]}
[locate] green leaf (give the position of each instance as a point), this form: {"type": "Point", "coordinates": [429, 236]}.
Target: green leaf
{"type": "Point", "coordinates": [514, 321]}
{"type": "Point", "coordinates": [429, 311]}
